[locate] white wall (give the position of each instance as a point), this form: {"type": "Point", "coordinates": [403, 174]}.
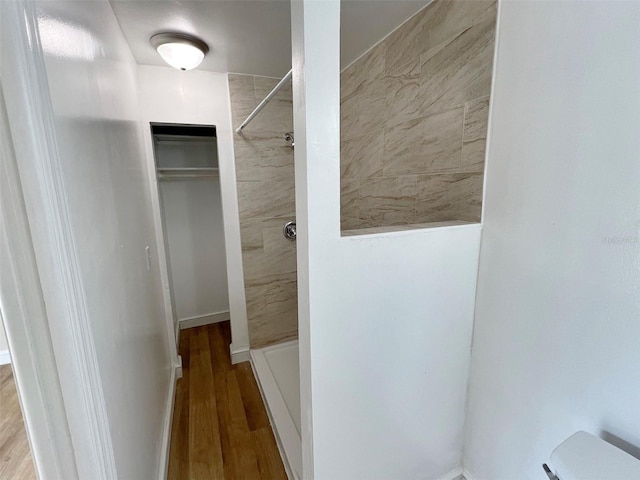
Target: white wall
{"type": "Point", "coordinates": [3, 340]}
{"type": "Point", "coordinates": [22, 308]}
{"type": "Point", "coordinates": [5, 358]}
{"type": "Point", "coordinates": [192, 211]}
{"type": "Point", "coordinates": [198, 97]}
{"type": "Point", "coordinates": [557, 335]}
{"type": "Point", "coordinates": [385, 320]}
{"type": "Point", "coordinates": [105, 217]}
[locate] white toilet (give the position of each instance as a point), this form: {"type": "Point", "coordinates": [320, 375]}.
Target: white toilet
{"type": "Point", "coordinates": [586, 457]}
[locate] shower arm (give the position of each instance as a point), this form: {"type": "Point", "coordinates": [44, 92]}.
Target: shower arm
{"type": "Point", "coordinates": [264, 102]}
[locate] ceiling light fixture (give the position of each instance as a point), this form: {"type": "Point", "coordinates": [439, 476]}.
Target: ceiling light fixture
{"type": "Point", "coordinates": [180, 50]}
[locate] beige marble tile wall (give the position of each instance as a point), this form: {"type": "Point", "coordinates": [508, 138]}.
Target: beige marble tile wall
{"type": "Point", "coordinates": [266, 197]}
{"type": "Point", "coordinates": [414, 115]}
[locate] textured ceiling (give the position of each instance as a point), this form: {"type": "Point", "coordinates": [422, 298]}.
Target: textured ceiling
{"type": "Point", "coordinates": [252, 36]}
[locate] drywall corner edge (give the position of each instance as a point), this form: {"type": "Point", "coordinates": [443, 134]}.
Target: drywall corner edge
{"type": "Point", "coordinates": [494, 69]}
{"type": "Point", "coordinates": [231, 219]}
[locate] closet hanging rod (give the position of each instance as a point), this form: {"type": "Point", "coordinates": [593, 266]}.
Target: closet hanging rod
{"type": "Point", "coordinates": [264, 102]}
{"type": "Point", "coordinates": [187, 176]}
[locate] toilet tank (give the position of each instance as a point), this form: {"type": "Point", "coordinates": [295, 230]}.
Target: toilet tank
{"type": "Point", "coordinates": [586, 457]}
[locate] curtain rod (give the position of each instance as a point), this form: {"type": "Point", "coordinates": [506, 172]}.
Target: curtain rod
{"type": "Point", "coordinates": [264, 102]}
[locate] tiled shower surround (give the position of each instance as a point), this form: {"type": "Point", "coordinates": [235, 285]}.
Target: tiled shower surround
{"type": "Point", "coordinates": [266, 197]}
{"type": "Point", "coordinates": [414, 115]}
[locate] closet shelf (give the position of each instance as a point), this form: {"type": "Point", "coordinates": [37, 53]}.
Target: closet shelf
{"type": "Point", "coordinates": [177, 140]}
{"type": "Point", "coordinates": [187, 173]}
{"type": "Point", "coordinates": [187, 169]}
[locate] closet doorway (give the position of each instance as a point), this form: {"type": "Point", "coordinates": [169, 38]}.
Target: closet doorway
{"type": "Point", "coordinates": [186, 161]}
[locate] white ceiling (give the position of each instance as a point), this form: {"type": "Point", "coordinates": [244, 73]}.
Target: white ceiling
{"type": "Point", "coordinates": [252, 36]}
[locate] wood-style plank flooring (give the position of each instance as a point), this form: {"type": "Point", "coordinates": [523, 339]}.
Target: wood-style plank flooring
{"type": "Point", "coordinates": [15, 455]}
{"type": "Point", "coordinates": [220, 425]}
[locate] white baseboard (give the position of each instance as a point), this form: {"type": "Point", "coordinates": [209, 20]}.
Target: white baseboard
{"type": "Point", "coordinates": [467, 475]}
{"type": "Point", "coordinates": [168, 420]}
{"type": "Point", "coordinates": [452, 475]}
{"type": "Point", "coordinates": [200, 320]}
{"type": "Point", "coordinates": [5, 358]}
{"type": "Point", "coordinates": [240, 354]}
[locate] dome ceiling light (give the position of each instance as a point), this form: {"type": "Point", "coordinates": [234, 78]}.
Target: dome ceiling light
{"type": "Point", "coordinates": [180, 50]}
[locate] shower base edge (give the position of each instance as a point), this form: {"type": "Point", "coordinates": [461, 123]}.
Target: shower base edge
{"type": "Point", "coordinates": [275, 395]}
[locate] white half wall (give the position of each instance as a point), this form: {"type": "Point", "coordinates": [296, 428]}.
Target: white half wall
{"type": "Point", "coordinates": [168, 95]}
{"type": "Point", "coordinates": [557, 325]}
{"type": "Point", "coordinates": [385, 320]}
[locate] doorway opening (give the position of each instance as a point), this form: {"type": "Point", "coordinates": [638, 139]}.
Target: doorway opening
{"type": "Point", "coordinates": [186, 161]}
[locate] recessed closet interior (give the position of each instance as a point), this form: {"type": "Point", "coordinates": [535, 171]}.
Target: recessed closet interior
{"type": "Point", "coordinates": [187, 169]}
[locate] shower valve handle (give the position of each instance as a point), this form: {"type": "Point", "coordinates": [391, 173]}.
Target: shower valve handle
{"type": "Point", "coordinates": [289, 231]}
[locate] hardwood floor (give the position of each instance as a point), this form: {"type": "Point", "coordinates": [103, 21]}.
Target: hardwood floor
{"type": "Point", "coordinates": [220, 425]}
{"type": "Point", "coordinates": [15, 456]}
